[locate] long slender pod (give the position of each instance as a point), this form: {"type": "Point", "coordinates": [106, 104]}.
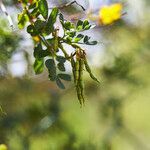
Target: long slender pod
{"type": "Point", "coordinates": [80, 80]}
{"type": "Point", "coordinates": [73, 64]}
{"type": "Point", "coordinates": [76, 71]}
{"type": "Point", "coordinates": [55, 34]}
{"type": "Point", "coordinates": [63, 50]}
{"type": "Point", "coordinates": [88, 69]}
{"type": "Point", "coordinates": [78, 89]}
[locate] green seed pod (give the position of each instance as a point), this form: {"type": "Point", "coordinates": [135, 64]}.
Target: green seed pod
{"type": "Point", "coordinates": [56, 44]}
{"type": "Point", "coordinates": [79, 95]}
{"type": "Point", "coordinates": [76, 71]}
{"type": "Point", "coordinates": [56, 40]}
{"type": "Point", "coordinates": [80, 80]}
{"type": "Point", "coordinates": [73, 64]}
{"type": "Point", "coordinates": [89, 71]}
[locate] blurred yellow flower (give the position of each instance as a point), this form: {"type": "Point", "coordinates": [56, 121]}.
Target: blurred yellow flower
{"type": "Point", "coordinates": [3, 147]}
{"type": "Point", "coordinates": [111, 13]}
{"type": "Point", "coordinates": [36, 38]}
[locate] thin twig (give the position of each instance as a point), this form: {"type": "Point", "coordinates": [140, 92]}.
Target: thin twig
{"type": "Point", "coordinates": [69, 4]}
{"type": "Point", "coordinates": [63, 50]}
{"type": "Point", "coordinates": [47, 44]}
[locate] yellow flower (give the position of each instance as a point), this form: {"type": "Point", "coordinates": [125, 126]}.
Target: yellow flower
{"type": "Point", "coordinates": [3, 147]}
{"type": "Point", "coordinates": [111, 13]}
{"type": "Point", "coordinates": [36, 38]}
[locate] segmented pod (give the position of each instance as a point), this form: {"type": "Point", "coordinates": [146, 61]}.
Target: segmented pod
{"type": "Point", "coordinates": [79, 95]}
{"type": "Point", "coordinates": [73, 64]}
{"type": "Point", "coordinates": [88, 69]}
{"type": "Point", "coordinates": [56, 40]}
{"type": "Point", "coordinates": [80, 79]}
{"type": "Point", "coordinates": [56, 44]}
{"type": "Point", "coordinates": [76, 71]}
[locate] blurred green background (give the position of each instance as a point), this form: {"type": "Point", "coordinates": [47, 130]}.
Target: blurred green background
{"type": "Point", "coordinates": [37, 115]}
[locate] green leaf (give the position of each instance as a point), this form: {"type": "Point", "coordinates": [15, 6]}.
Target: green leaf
{"type": "Point", "coordinates": [61, 59]}
{"type": "Point", "coordinates": [43, 8]}
{"type": "Point", "coordinates": [37, 49]}
{"type": "Point", "coordinates": [87, 27]}
{"type": "Point", "coordinates": [91, 43]}
{"type": "Point", "coordinates": [68, 39]}
{"type": "Point", "coordinates": [39, 25]}
{"type": "Point", "coordinates": [85, 23]}
{"type": "Point", "coordinates": [71, 33]}
{"type": "Point", "coordinates": [78, 38]}
{"type": "Point", "coordinates": [86, 41]}
{"type": "Point", "coordinates": [39, 52]}
{"type": "Point", "coordinates": [22, 20]}
{"type": "Point", "coordinates": [79, 25]}
{"type": "Point", "coordinates": [61, 18]}
{"type": "Point", "coordinates": [65, 77]}
{"type": "Point", "coordinates": [67, 25]}
{"type": "Point", "coordinates": [51, 20]}
{"type": "Point", "coordinates": [50, 64]}
{"type": "Point", "coordinates": [33, 5]}
{"type": "Point", "coordinates": [31, 30]}
{"type": "Point", "coordinates": [35, 13]}
{"type": "Point", "coordinates": [59, 83]}
{"type": "Point", "coordinates": [38, 66]}
{"type": "Point", "coordinates": [61, 66]}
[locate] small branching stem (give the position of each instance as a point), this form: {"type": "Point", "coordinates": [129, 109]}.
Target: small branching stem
{"type": "Point", "coordinates": [69, 4]}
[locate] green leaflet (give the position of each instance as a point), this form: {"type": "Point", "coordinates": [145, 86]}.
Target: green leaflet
{"type": "Point", "coordinates": [50, 64]}
{"type": "Point", "coordinates": [61, 67]}
{"type": "Point", "coordinates": [67, 25]}
{"type": "Point", "coordinates": [51, 20]}
{"type": "Point", "coordinates": [79, 25]}
{"type": "Point", "coordinates": [78, 38]}
{"type": "Point", "coordinates": [87, 42]}
{"type": "Point", "coordinates": [38, 66]}
{"type": "Point", "coordinates": [89, 71]}
{"type": "Point", "coordinates": [35, 12]}
{"type": "Point", "coordinates": [61, 17]}
{"type": "Point", "coordinates": [85, 24]}
{"type": "Point", "coordinates": [59, 83]}
{"type": "Point", "coordinates": [43, 8]}
{"type": "Point", "coordinates": [65, 77]}
{"type": "Point", "coordinates": [31, 30]}
{"type": "Point", "coordinates": [39, 26]}
{"type": "Point", "coordinates": [61, 59]}
{"type": "Point", "coordinates": [39, 52]}
{"type": "Point", "coordinates": [33, 5]}
{"type": "Point", "coordinates": [22, 19]}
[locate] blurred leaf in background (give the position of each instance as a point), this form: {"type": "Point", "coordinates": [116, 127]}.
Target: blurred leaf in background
{"type": "Point", "coordinates": [8, 44]}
